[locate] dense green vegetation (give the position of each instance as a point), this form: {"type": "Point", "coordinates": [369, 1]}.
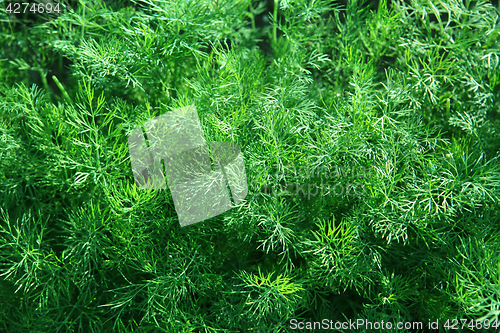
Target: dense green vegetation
{"type": "Point", "coordinates": [396, 106]}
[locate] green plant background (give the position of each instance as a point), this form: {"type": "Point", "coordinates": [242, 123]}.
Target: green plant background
{"type": "Point", "coordinates": [408, 90]}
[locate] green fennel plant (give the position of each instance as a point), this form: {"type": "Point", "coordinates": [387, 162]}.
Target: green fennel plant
{"type": "Point", "coordinates": [396, 104]}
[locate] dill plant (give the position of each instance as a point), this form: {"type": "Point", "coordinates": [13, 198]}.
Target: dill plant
{"type": "Point", "coordinates": [407, 90]}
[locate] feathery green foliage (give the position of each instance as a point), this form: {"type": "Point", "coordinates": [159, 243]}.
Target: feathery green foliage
{"type": "Point", "coordinates": [370, 133]}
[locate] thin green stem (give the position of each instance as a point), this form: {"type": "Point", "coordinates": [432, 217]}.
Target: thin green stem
{"type": "Point", "coordinates": [83, 21]}
{"type": "Point", "coordinates": [275, 22]}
